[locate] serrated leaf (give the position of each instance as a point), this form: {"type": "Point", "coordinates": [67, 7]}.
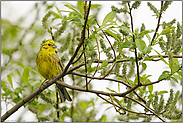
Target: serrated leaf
{"type": "Point", "coordinates": [162, 92]}
{"type": "Point", "coordinates": [25, 75]}
{"type": "Point", "coordinates": [141, 45]}
{"type": "Point", "coordinates": [109, 17]}
{"type": "Point", "coordinates": [104, 63]}
{"type": "Point", "coordinates": [10, 80]}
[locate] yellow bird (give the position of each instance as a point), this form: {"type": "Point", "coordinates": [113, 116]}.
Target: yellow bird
{"type": "Point", "coordinates": [49, 65]}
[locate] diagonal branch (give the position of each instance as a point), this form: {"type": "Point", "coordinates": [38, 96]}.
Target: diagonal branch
{"type": "Point", "coordinates": [158, 24]}
{"type": "Point", "coordinates": [80, 43]}
{"type": "Point", "coordinates": [35, 93]}
{"type": "Point", "coordinates": [108, 41]}
{"type": "Point", "coordinates": [145, 107]}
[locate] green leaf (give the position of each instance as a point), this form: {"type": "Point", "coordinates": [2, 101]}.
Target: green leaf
{"type": "Point", "coordinates": [167, 30]}
{"type": "Point", "coordinates": [18, 90]}
{"type": "Point", "coordinates": [125, 29]}
{"type": "Point", "coordinates": [141, 45]}
{"type": "Point", "coordinates": [112, 34]}
{"type": "Point", "coordinates": [150, 88]}
{"type": "Point", "coordinates": [165, 74]}
{"type": "Point", "coordinates": [57, 15]}
{"type": "Point", "coordinates": [162, 92]}
{"type": "Point", "coordinates": [95, 6]}
{"type": "Point", "coordinates": [118, 86]}
{"type": "Point", "coordinates": [7, 93]}
{"type": "Point", "coordinates": [74, 9]}
{"type": "Point", "coordinates": [126, 44]}
{"type": "Point", "coordinates": [174, 79]}
{"type": "Point", "coordinates": [147, 50]}
{"type": "Point", "coordinates": [148, 37]}
{"type": "Point", "coordinates": [144, 66]}
{"type": "Point", "coordinates": [32, 70]}
{"type": "Point", "coordinates": [109, 17]}
{"type": "Point", "coordinates": [10, 80]}
{"type": "Point", "coordinates": [81, 6]}
{"type": "Point", "coordinates": [143, 33]}
{"type": "Point", "coordinates": [50, 6]}
{"type": "Point", "coordinates": [161, 57]}
{"type": "Point", "coordinates": [25, 75]}
{"type": "Point", "coordinates": [104, 63]}
{"type": "Point", "coordinates": [111, 90]}
{"type": "Point", "coordinates": [175, 67]}
{"type": "Point", "coordinates": [91, 69]}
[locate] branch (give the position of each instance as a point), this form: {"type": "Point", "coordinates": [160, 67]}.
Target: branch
{"type": "Point", "coordinates": [115, 106]}
{"type": "Point", "coordinates": [136, 60]}
{"type": "Point", "coordinates": [146, 84]}
{"type": "Point", "coordinates": [78, 58]}
{"type": "Point", "coordinates": [80, 43]}
{"type": "Point", "coordinates": [139, 58]}
{"type": "Point", "coordinates": [158, 24]}
{"type": "Point", "coordinates": [145, 107]}
{"type": "Point", "coordinates": [109, 71]}
{"type": "Point", "coordinates": [97, 65]}
{"type": "Point", "coordinates": [84, 46]}
{"type": "Point", "coordinates": [115, 80]}
{"type": "Point", "coordinates": [35, 93]}
{"type": "Point", "coordinates": [119, 106]}
{"type": "Point", "coordinates": [89, 90]}
{"type": "Point", "coordinates": [108, 41]}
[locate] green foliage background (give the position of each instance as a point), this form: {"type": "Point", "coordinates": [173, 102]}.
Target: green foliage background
{"type": "Point", "coordinates": [19, 76]}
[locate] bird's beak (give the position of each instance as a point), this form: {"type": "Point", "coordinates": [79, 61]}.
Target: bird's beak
{"type": "Point", "coordinates": [54, 46]}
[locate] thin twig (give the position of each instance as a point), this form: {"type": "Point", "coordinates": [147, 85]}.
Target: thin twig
{"type": "Point", "coordinates": [119, 106]}
{"type": "Point", "coordinates": [108, 41]}
{"type": "Point", "coordinates": [84, 46]}
{"type": "Point", "coordinates": [110, 79]}
{"type": "Point", "coordinates": [146, 84]}
{"type": "Point", "coordinates": [80, 43]}
{"type": "Point", "coordinates": [97, 65]}
{"type": "Point", "coordinates": [109, 71]}
{"type": "Point", "coordinates": [115, 106]}
{"type": "Point", "coordinates": [136, 60]}
{"type": "Point", "coordinates": [78, 58]}
{"type": "Point", "coordinates": [126, 60]}
{"type": "Point", "coordinates": [158, 24]}
{"type": "Point", "coordinates": [57, 104]}
{"type": "Point", "coordinates": [145, 107]}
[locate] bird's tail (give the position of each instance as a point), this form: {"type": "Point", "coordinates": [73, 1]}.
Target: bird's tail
{"type": "Point", "coordinates": [63, 93]}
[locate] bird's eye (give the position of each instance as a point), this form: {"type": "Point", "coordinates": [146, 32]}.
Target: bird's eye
{"type": "Point", "coordinates": [49, 44]}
